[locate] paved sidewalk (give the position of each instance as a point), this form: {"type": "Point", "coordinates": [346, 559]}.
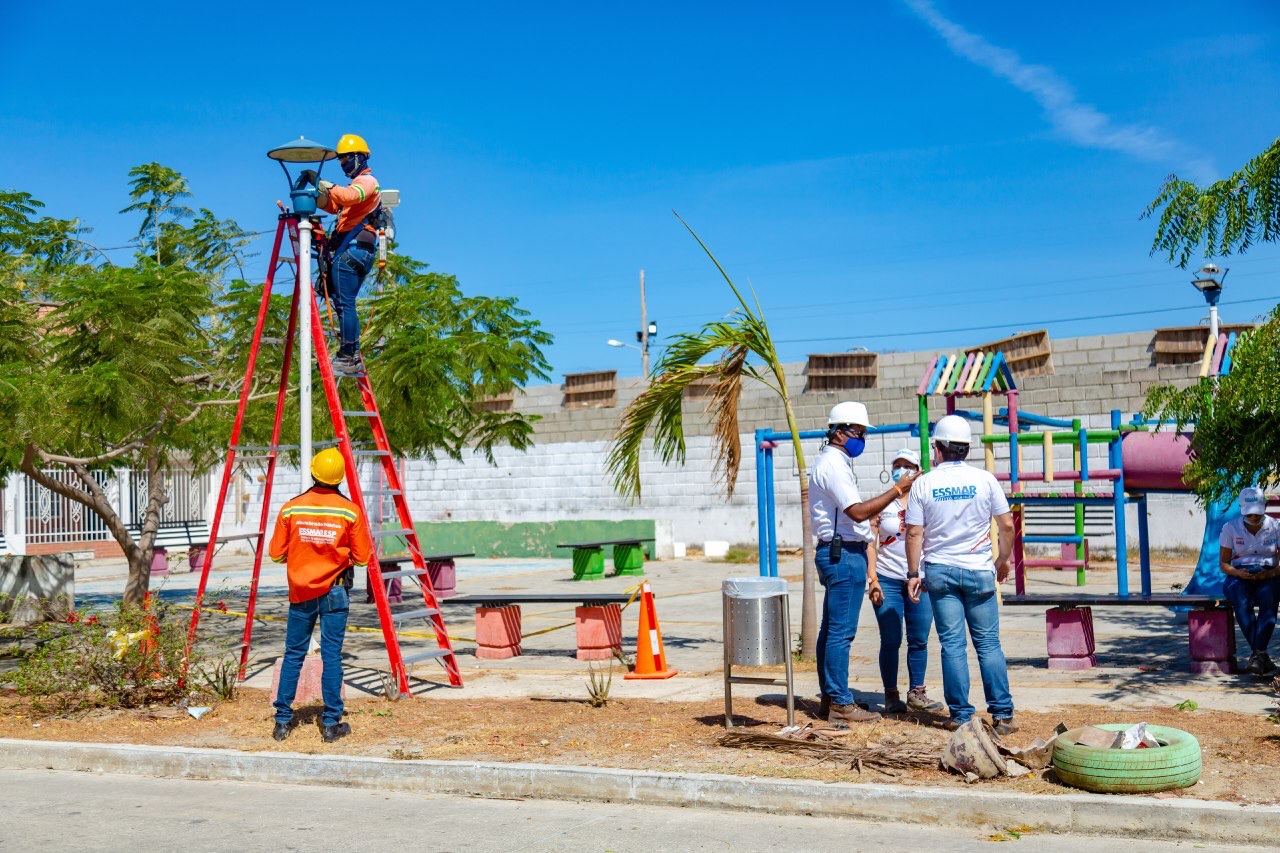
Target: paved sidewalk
{"type": "Point", "coordinates": [1142, 651]}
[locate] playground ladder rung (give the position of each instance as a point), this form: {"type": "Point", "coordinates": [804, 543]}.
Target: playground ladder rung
{"type": "Point", "coordinates": [432, 653]}
{"type": "Point", "coordinates": [403, 573]}
{"type": "Point", "coordinates": [414, 614]}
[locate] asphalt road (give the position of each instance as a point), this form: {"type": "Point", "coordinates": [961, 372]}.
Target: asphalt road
{"type": "Point", "coordinates": [49, 810]}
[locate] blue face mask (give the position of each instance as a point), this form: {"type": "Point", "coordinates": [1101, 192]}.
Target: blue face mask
{"type": "Point", "coordinates": [854, 445]}
{"type": "Point", "coordinates": [898, 473]}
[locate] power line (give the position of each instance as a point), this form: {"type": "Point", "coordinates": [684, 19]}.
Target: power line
{"type": "Point", "coordinates": [1023, 323]}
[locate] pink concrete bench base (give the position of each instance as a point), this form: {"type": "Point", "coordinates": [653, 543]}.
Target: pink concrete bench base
{"type": "Point", "coordinates": [498, 632]}
{"type": "Point", "coordinates": [308, 681]}
{"type": "Point", "coordinates": [599, 631]}
{"type": "Point", "coordinates": [1212, 636]}
{"type": "Point", "coordinates": [1069, 638]}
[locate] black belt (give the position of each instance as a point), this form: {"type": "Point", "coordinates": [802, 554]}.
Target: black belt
{"type": "Point", "coordinates": [846, 546]}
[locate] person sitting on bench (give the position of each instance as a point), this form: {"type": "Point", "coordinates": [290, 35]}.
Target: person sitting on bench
{"type": "Point", "coordinates": [1247, 556]}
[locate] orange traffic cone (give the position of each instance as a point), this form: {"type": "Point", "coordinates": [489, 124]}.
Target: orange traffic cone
{"type": "Point", "coordinates": [651, 660]}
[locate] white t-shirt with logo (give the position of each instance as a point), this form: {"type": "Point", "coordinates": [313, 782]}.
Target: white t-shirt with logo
{"type": "Point", "coordinates": [955, 503]}
{"type": "Point", "coordinates": [1242, 543]}
{"type": "Point", "coordinates": [891, 553]}
{"type": "Point", "coordinates": [832, 490]}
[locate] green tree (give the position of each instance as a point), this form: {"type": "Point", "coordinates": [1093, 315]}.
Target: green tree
{"type": "Point", "coordinates": [732, 342]}
{"type": "Point", "coordinates": [1237, 416]}
{"type": "Point", "coordinates": [142, 366]}
{"type": "Point", "coordinates": [158, 193]}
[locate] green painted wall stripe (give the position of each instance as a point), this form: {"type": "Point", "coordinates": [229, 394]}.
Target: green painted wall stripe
{"type": "Point", "coordinates": [525, 538]}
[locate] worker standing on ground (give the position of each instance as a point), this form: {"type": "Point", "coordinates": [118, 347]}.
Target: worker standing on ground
{"type": "Point", "coordinates": [948, 517]}
{"type": "Point", "coordinates": [840, 523]}
{"type": "Point", "coordinates": [351, 244]}
{"type": "Point", "coordinates": [1247, 556]}
{"type": "Point", "coordinates": [896, 608]}
{"type": "Point", "coordinates": [322, 538]}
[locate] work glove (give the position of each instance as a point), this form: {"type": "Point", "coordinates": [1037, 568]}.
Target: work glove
{"type": "Point", "coordinates": [325, 185]}
{"type": "Point", "coordinates": [306, 176]}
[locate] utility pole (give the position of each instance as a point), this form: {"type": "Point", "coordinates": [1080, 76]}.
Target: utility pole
{"type": "Point", "coordinates": [644, 332]}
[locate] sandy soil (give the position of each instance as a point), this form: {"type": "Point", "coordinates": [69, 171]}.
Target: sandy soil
{"type": "Point", "coordinates": [1241, 752]}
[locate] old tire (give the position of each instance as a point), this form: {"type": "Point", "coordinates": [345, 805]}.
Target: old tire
{"type": "Point", "coordinates": [1176, 764]}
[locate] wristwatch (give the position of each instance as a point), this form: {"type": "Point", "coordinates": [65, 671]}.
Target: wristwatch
{"type": "Point", "coordinates": [911, 575]}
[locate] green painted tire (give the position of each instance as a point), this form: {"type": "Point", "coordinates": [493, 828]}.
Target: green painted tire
{"type": "Point", "coordinates": [1175, 765]}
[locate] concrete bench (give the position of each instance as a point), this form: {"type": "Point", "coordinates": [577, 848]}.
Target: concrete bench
{"type": "Point", "coordinates": [1211, 633]}
{"type": "Point", "coordinates": [588, 557]}
{"type": "Point", "coordinates": [598, 620]}
{"type": "Point", "coordinates": [440, 568]}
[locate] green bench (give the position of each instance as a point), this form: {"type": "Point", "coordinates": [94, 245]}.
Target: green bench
{"type": "Point", "coordinates": [588, 557]}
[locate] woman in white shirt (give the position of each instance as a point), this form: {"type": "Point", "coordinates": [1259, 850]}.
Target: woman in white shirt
{"type": "Point", "coordinates": [893, 607]}
{"type": "Point", "coordinates": [1247, 556]}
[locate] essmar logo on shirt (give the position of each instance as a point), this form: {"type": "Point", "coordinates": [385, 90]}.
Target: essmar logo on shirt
{"type": "Point", "coordinates": [955, 493]}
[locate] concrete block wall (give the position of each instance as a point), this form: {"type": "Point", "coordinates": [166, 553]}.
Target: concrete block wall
{"type": "Point", "coordinates": [563, 476]}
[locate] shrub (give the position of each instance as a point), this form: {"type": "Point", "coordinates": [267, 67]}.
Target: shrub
{"type": "Point", "coordinates": [125, 658]}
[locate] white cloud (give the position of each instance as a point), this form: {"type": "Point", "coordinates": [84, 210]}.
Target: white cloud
{"type": "Point", "coordinates": [1079, 122]}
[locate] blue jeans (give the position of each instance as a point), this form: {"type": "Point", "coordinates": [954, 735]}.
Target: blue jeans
{"type": "Point", "coordinates": [845, 582]}
{"type": "Point", "coordinates": [331, 610]}
{"type": "Point", "coordinates": [897, 608]}
{"type": "Point", "coordinates": [1255, 605]}
{"type": "Point", "coordinates": [349, 272]}
{"type": "Point", "coordinates": [963, 596]}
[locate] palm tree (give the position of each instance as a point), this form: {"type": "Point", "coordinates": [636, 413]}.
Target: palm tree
{"type": "Point", "coordinates": [737, 342]}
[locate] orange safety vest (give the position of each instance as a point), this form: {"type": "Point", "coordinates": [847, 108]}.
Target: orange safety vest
{"type": "Point", "coordinates": [354, 202]}
{"type": "Point", "coordinates": [318, 535]}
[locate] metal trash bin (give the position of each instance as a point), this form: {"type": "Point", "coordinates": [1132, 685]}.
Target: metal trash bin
{"type": "Point", "coordinates": [757, 632]}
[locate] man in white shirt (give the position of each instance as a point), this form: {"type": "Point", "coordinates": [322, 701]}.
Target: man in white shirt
{"type": "Point", "coordinates": [840, 523]}
{"type": "Point", "coordinates": [948, 520]}
{"type": "Point", "coordinates": [1247, 556]}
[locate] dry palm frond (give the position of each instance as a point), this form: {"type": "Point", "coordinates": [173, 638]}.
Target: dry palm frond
{"type": "Point", "coordinates": [889, 753]}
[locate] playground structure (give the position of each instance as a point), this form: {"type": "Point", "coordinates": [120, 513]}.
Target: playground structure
{"type": "Point", "coordinates": [1139, 462]}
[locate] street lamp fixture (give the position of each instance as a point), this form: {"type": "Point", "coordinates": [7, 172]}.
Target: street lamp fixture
{"type": "Point", "coordinates": [615, 343]}
{"type": "Point", "coordinates": [1208, 281]}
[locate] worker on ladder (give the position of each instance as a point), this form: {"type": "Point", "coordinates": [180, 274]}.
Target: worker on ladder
{"type": "Point", "coordinates": [352, 243]}
{"type": "Point", "coordinates": [322, 537]}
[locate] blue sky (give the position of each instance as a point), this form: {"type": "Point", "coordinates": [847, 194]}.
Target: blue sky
{"type": "Point", "coordinates": [900, 174]}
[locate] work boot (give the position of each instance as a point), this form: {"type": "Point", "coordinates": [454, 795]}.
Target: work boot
{"type": "Point", "coordinates": [1004, 725]}
{"type": "Point", "coordinates": [348, 365]}
{"type": "Point", "coordinates": [851, 713]}
{"type": "Point", "coordinates": [1254, 666]}
{"type": "Point", "coordinates": [918, 700]}
{"type": "Point", "coordinates": [952, 724]}
{"type": "Point", "coordinates": [283, 730]}
{"type": "Point", "coordinates": [1265, 666]}
{"type": "Point", "coordinates": [335, 732]}
{"type": "Point", "coordinates": [893, 703]}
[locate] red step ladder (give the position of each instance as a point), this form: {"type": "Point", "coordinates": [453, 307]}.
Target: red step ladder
{"type": "Point", "coordinates": [381, 454]}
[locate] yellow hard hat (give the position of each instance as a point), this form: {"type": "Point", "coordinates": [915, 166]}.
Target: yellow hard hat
{"type": "Point", "coordinates": [329, 467]}
{"type": "Point", "coordinates": [352, 144]}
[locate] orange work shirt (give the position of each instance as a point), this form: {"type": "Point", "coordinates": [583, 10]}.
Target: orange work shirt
{"type": "Point", "coordinates": [318, 535]}
{"type": "Point", "coordinates": [354, 202]}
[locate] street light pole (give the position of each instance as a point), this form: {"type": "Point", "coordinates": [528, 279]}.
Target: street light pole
{"type": "Point", "coordinates": [644, 332]}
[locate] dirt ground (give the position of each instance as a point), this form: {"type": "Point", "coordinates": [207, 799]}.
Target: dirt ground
{"type": "Point", "coordinates": [1241, 752]}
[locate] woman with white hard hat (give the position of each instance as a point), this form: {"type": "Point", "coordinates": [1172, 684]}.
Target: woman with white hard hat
{"type": "Point", "coordinates": [1247, 556]}
{"type": "Point", "coordinates": [896, 607]}
{"type": "Point", "coordinates": [846, 566]}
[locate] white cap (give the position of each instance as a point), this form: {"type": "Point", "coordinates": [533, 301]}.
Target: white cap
{"type": "Point", "coordinates": [908, 455]}
{"type": "Point", "coordinates": [952, 428]}
{"type": "Point", "coordinates": [849, 413]}
{"type": "Point", "coordinates": [1253, 501]}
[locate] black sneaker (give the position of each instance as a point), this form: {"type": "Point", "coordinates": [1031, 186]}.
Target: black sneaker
{"type": "Point", "coordinates": [283, 730]}
{"type": "Point", "coordinates": [1004, 725]}
{"type": "Point", "coordinates": [1265, 666]}
{"type": "Point", "coordinates": [1254, 666]}
{"type": "Point", "coordinates": [331, 733]}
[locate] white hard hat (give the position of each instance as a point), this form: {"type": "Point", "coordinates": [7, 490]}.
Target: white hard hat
{"type": "Point", "coordinates": [849, 413]}
{"type": "Point", "coordinates": [952, 428]}
{"type": "Point", "coordinates": [907, 455]}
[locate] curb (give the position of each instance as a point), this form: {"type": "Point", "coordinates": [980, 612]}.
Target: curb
{"type": "Point", "coordinates": [1077, 814]}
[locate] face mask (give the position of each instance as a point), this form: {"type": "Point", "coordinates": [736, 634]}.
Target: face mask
{"type": "Point", "coordinates": [1253, 520]}
{"type": "Point", "coordinates": [854, 445]}
{"type": "Point", "coordinates": [898, 473]}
